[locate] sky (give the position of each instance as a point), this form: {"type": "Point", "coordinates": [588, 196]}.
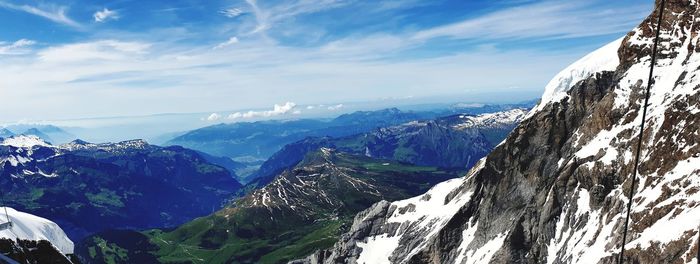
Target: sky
{"type": "Point", "coordinates": [66, 59]}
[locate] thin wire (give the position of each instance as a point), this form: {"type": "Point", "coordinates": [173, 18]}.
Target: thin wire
{"type": "Point", "coordinates": [2, 199]}
{"type": "Point", "coordinates": [641, 132]}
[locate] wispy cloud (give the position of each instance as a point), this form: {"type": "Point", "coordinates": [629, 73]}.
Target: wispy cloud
{"type": "Point", "coordinates": [16, 48]}
{"type": "Point", "coordinates": [54, 13]}
{"type": "Point", "coordinates": [267, 17]}
{"type": "Point", "coordinates": [95, 52]}
{"type": "Point", "coordinates": [276, 110]}
{"type": "Point", "coordinates": [336, 107]}
{"type": "Point", "coordinates": [213, 117]}
{"type": "Point", "coordinates": [105, 14]}
{"type": "Point", "coordinates": [229, 42]}
{"type": "Point", "coordinates": [547, 19]}
{"type": "Point", "coordinates": [231, 12]}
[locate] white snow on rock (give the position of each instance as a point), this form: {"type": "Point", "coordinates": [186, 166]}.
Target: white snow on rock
{"type": "Point", "coordinates": [492, 120]}
{"type": "Point", "coordinates": [429, 213]}
{"type": "Point", "coordinates": [377, 249]}
{"type": "Point", "coordinates": [603, 59]}
{"type": "Point", "coordinates": [24, 141]}
{"type": "Point", "coordinates": [30, 227]}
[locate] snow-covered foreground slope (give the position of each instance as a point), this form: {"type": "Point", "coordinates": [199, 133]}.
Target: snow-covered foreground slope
{"type": "Point", "coordinates": [30, 227]}
{"type": "Point", "coordinates": [556, 190]}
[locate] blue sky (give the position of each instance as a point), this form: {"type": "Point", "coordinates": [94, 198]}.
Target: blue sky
{"type": "Point", "coordinates": [79, 58]}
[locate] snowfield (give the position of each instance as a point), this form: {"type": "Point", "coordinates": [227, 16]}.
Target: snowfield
{"type": "Point", "coordinates": [30, 227]}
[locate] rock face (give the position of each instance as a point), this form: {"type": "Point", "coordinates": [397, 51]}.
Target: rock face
{"type": "Point", "coordinates": [556, 190]}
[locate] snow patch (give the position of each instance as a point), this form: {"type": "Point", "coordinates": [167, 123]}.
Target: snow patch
{"type": "Point", "coordinates": [24, 141]}
{"type": "Point", "coordinates": [377, 249]}
{"type": "Point", "coordinates": [30, 227]}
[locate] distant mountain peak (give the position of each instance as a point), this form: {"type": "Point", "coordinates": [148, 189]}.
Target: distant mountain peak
{"type": "Point", "coordinates": [5, 133]}
{"type": "Point", "coordinates": [25, 141]}
{"type": "Point", "coordinates": [36, 132]}
{"type": "Point", "coordinates": [134, 144]}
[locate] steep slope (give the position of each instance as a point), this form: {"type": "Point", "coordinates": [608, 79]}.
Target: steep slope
{"type": "Point", "coordinates": [32, 239]}
{"type": "Point", "coordinates": [302, 210]}
{"type": "Point", "coordinates": [455, 141]}
{"type": "Point", "coordinates": [87, 187]}
{"type": "Point", "coordinates": [555, 190]}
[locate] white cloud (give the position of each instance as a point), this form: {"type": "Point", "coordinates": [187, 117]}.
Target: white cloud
{"type": "Point", "coordinates": [16, 48]}
{"type": "Point", "coordinates": [105, 14]}
{"type": "Point", "coordinates": [335, 107]}
{"type": "Point", "coordinates": [231, 12]}
{"type": "Point", "coordinates": [213, 117]}
{"type": "Point", "coordinates": [229, 42]}
{"type": "Point", "coordinates": [54, 13]}
{"type": "Point", "coordinates": [276, 110]}
{"type": "Point", "coordinates": [310, 107]}
{"type": "Point", "coordinates": [296, 112]}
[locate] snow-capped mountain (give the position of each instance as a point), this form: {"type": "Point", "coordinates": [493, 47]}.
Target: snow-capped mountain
{"type": "Point", "coordinates": [24, 141]}
{"type": "Point", "coordinates": [27, 234]}
{"type": "Point", "coordinates": [556, 190]}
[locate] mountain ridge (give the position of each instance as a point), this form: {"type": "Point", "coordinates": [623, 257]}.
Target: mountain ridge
{"type": "Point", "coordinates": [455, 141]}
{"type": "Point", "coordinates": [87, 187]}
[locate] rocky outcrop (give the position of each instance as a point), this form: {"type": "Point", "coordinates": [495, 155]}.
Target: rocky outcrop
{"type": "Point", "coordinates": [556, 190]}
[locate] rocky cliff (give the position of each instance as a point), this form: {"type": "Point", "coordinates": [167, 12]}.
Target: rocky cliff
{"type": "Point", "coordinates": [556, 190]}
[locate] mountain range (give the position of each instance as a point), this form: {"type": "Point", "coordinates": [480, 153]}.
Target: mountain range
{"type": "Point", "coordinates": [262, 139]}
{"type": "Point", "coordinates": [455, 141]}
{"type": "Point", "coordinates": [88, 187]}
{"type": "Point", "coordinates": [302, 210]}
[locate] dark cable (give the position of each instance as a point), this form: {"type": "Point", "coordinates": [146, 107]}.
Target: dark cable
{"type": "Point", "coordinates": [641, 132]}
{"type": "Point", "coordinates": [2, 199]}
